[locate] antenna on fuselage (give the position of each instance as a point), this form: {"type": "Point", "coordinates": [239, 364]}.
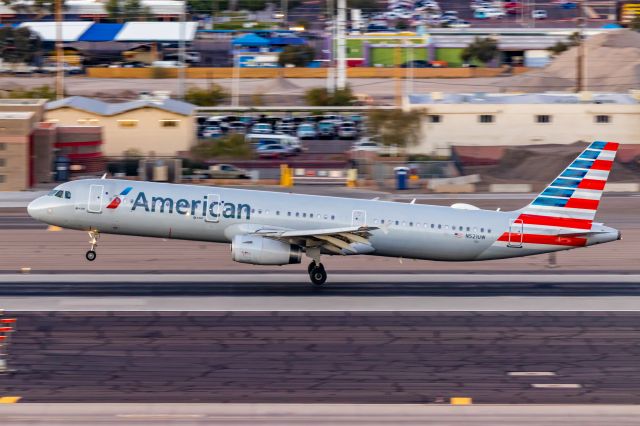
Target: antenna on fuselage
{"type": "Point", "coordinates": [413, 201]}
{"type": "Point", "coordinates": [104, 176]}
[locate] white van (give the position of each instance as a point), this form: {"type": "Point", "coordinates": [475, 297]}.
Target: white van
{"type": "Point", "coordinates": [289, 141]}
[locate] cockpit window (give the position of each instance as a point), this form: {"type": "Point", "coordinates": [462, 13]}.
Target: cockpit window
{"type": "Point", "coordinates": [67, 195]}
{"type": "Point", "coordinates": [59, 193]}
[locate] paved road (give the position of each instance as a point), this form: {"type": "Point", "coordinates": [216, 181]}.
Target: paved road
{"type": "Point", "coordinates": [61, 414]}
{"type": "Point", "coordinates": [329, 357]}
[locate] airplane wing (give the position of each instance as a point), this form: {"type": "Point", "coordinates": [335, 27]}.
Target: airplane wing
{"type": "Point", "coordinates": [346, 240]}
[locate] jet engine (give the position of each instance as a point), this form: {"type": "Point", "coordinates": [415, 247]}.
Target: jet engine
{"type": "Point", "coordinates": [264, 251]}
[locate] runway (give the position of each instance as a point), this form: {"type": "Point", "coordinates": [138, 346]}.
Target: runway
{"type": "Point", "coordinates": [328, 357]}
{"type": "Point", "coordinates": [61, 414]}
{"type": "Point", "coordinates": [343, 292]}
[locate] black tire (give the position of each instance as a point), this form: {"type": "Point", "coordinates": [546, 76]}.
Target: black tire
{"type": "Point", "coordinates": [91, 255]}
{"type": "Point", "coordinates": [318, 275]}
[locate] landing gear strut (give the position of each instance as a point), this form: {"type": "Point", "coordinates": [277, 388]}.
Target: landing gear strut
{"type": "Point", "coordinates": [93, 240]}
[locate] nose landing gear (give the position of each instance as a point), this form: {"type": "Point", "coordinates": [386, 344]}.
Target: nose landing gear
{"type": "Point", "coordinates": [93, 240]}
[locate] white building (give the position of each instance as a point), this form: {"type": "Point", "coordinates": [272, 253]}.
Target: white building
{"type": "Point", "coordinates": [524, 119]}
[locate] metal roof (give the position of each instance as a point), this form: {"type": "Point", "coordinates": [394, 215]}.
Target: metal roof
{"type": "Point", "coordinates": [71, 30]}
{"type": "Point", "coordinates": [101, 32]}
{"type": "Point", "coordinates": [109, 109]}
{"type": "Point", "coordinates": [157, 31]}
{"type": "Point", "coordinates": [250, 40]}
{"type": "Point", "coordinates": [527, 98]}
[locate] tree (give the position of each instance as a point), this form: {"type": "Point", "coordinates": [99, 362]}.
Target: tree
{"type": "Point", "coordinates": [396, 127]}
{"type": "Point", "coordinates": [561, 46]}
{"type": "Point", "coordinates": [298, 56]}
{"type": "Point", "coordinates": [40, 92]}
{"type": "Point", "coordinates": [482, 49]}
{"type": "Point", "coordinates": [230, 147]}
{"type": "Point", "coordinates": [19, 44]}
{"type": "Point", "coordinates": [119, 10]}
{"type": "Point", "coordinates": [319, 96]}
{"type": "Point", "coordinates": [210, 96]}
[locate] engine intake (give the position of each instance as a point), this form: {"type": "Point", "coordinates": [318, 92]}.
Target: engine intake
{"type": "Point", "coordinates": [264, 251]}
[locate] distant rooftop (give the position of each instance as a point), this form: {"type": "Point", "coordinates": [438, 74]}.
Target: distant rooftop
{"type": "Point", "coordinates": [107, 109]}
{"type": "Point", "coordinates": [525, 98]}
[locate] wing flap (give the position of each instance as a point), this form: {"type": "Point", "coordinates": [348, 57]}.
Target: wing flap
{"type": "Point", "coordinates": [315, 232]}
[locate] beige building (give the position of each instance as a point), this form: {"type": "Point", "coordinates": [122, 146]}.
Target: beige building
{"type": "Point", "coordinates": [524, 119]}
{"type": "Point", "coordinates": [19, 148]}
{"type": "Point", "coordinates": [156, 127]}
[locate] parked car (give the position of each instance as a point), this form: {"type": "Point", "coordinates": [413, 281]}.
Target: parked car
{"type": "Point", "coordinates": [347, 130]}
{"type": "Point", "coordinates": [418, 63]}
{"type": "Point", "coordinates": [488, 13]}
{"type": "Point", "coordinates": [212, 132]}
{"type": "Point", "coordinates": [539, 14]}
{"type": "Point", "coordinates": [458, 23]}
{"type": "Point", "coordinates": [227, 171]}
{"type": "Point", "coordinates": [326, 129]}
{"type": "Point", "coordinates": [262, 128]}
{"type": "Point", "coordinates": [366, 144]}
{"type": "Point", "coordinates": [237, 127]}
{"type": "Point", "coordinates": [307, 131]}
{"type": "Point", "coordinates": [273, 151]}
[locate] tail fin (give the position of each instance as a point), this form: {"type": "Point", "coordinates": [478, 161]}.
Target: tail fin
{"type": "Point", "coordinates": [572, 199]}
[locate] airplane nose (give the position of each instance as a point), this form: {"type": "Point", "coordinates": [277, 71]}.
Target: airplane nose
{"type": "Point", "coordinates": [36, 208]}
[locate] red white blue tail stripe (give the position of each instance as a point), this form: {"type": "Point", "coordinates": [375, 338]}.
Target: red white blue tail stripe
{"type": "Point", "coordinates": [563, 213]}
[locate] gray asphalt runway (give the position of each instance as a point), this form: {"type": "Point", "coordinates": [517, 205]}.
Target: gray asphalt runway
{"type": "Point", "coordinates": [344, 292]}
{"type": "Point", "coordinates": [329, 357]}
{"type": "Point", "coordinates": [62, 414]}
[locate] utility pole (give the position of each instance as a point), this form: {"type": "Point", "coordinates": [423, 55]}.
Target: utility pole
{"type": "Point", "coordinates": [341, 45]}
{"type": "Point", "coordinates": [284, 5]}
{"type": "Point", "coordinates": [396, 73]}
{"type": "Point", "coordinates": [580, 56]}
{"type": "Point", "coordinates": [59, 52]}
{"type": "Point", "coordinates": [331, 28]}
{"type": "Point", "coordinates": [181, 51]}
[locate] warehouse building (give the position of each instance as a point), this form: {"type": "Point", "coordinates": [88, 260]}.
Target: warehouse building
{"type": "Point", "coordinates": [155, 126]}
{"type": "Point", "coordinates": [480, 119]}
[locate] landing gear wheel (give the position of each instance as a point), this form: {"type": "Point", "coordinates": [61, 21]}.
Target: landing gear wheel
{"type": "Point", "coordinates": [318, 275]}
{"type": "Point", "coordinates": [91, 255]}
{"type": "Point", "coordinates": [310, 267]}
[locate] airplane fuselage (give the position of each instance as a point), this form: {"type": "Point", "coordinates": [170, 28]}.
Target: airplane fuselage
{"type": "Point", "coordinates": [214, 214]}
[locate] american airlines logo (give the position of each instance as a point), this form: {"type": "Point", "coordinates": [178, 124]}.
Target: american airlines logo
{"type": "Point", "coordinates": [203, 207]}
{"type": "Point", "coordinates": [116, 201]}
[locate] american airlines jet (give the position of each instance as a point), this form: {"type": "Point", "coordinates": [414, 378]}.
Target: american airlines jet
{"type": "Point", "coordinates": [273, 228]}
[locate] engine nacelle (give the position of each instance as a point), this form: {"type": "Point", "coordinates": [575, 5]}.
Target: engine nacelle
{"type": "Point", "coordinates": [264, 251]}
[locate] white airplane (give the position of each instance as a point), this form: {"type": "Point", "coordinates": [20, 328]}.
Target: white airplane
{"type": "Point", "coordinates": [273, 228]}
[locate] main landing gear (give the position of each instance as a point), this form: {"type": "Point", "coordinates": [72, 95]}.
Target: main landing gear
{"type": "Point", "coordinates": [93, 240]}
{"type": "Point", "coordinates": [317, 273]}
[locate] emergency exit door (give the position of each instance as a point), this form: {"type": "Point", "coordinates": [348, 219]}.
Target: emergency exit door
{"type": "Point", "coordinates": [358, 218]}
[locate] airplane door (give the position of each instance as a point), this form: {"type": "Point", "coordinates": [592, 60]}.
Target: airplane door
{"type": "Point", "coordinates": [516, 233]}
{"type": "Point", "coordinates": [213, 208]}
{"type": "Point", "coordinates": [95, 199]}
{"type": "Point", "coordinates": [358, 218]}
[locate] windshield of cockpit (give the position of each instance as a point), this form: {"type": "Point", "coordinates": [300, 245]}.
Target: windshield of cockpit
{"type": "Point", "coordinates": [60, 194]}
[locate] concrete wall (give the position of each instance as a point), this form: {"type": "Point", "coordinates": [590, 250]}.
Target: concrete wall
{"type": "Point", "coordinates": [516, 125]}
{"type": "Point", "coordinates": [357, 72]}
{"type": "Point", "coordinates": [147, 136]}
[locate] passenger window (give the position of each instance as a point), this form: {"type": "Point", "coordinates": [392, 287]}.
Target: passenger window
{"type": "Point", "coordinates": [397, 222]}
{"type": "Point", "coordinates": [482, 230]}
{"type": "Point", "coordinates": [468, 229]}
{"type": "Point", "coordinates": [382, 221]}
{"type": "Point", "coordinates": [410, 223]}
{"type": "Point", "coordinates": [333, 217]}
{"type": "Point", "coordinates": [461, 228]}
{"type": "Point", "coordinates": [288, 213]}
{"type": "Point", "coordinates": [433, 226]}
{"type": "Point", "coordinates": [260, 211]}
{"type": "Point", "coordinates": [297, 214]}
{"type": "Point", "coordinates": [489, 231]}
{"type": "Point", "coordinates": [277, 212]}
{"type": "Point", "coordinates": [67, 195]}
{"type": "Point", "coordinates": [439, 226]}
{"type": "Point", "coordinates": [326, 217]}
{"type": "Point", "coordinates": [311, 215]}
{"type": "Point", "coordinates": [304, 215]}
